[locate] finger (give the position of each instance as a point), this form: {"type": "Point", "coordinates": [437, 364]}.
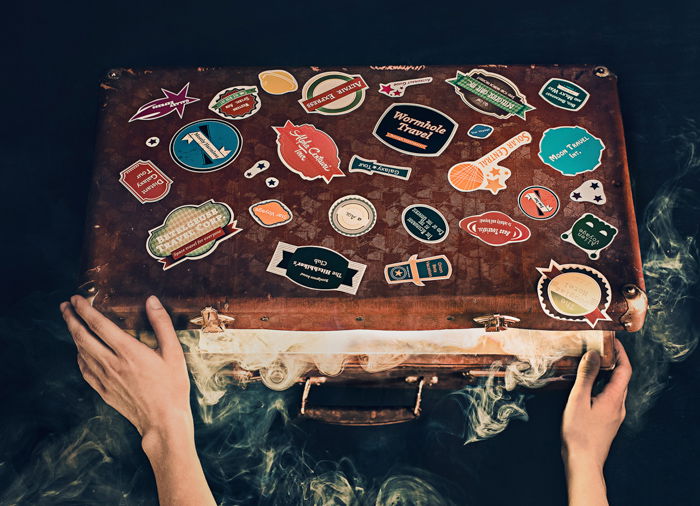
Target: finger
{"type": "Point", "coordinates": [585, 376]}
{"type": "Point", "coordinates": [163, 328]}
{"type": "Point", "coordinates": [90, 376]}
{"type": "Point", "coordinates": [114, 337]}
{"type": "Point", "coordinates": [83, 338]}
{"type": "Point", "coordinates": [616, 389]}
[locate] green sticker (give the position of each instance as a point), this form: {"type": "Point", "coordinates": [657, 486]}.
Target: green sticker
{"type": "Point", "coordinates": [564, 94]}
{"type": "Point", "coordinates": [591, 234]}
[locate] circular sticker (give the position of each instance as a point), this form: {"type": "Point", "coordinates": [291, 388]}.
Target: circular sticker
{"type": "Point", "coordinates": [236, 103]}
{"type": "Point", "coordinates": [574, 292]}
{"type": "Point", "coordinates": [206, 145]}
{"type": "Point", "coordinates": [352, 215]}
{"type": "Point", "coordinates": [332, 93]}
{"type": "Point", "coordinates": [152, 142]}
{"type": "Point", "coordinates": [538, 202]}
{"type": "Point", "coordinates": [425, 223]}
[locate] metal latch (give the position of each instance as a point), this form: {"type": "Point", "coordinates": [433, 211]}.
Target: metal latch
{"type": "Point", "coordinates": [211, 321]}
{"type": "Point", "coordinates": [496, 322]}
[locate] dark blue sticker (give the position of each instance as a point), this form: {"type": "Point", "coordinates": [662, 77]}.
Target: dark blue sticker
{"type": "Point", "coordinates": [425, 223]}
{"type": "Point", "coordinates": [206, 145]}
{"type": "Point", "coordinates": [415, 129]}
{"type": "Point", "coordinates": [480, 131]}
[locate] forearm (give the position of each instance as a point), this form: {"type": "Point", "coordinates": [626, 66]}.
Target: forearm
{"type": "Point", "coordinates": [585, 482]}
{"type": "Point", "coordinates": [178, 471]}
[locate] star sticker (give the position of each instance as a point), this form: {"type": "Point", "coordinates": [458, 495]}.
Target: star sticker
{"type": "Point", "coordinates": [165, 105]}
{"type": "Point", "coordinates": [576, 196]}
{"type": "Point", "coordinates": [595, 186]}
{"type": "Point", "coordinates": [494, 185]}
{"type": "Point", "coordinates": [597, 198]}
{"type": "Point", "coordinates": [385, 88]}
{"type": "Point", "coordinates": [495, 172]}
{"type": "Point", "coordinates": [271, 182]}
{"type": "Point", "coordinates": [152, 142]}
{"type": "Point", "coordinates": [180, 99]}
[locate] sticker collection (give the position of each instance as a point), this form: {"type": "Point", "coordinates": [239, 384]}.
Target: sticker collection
{"type": "Point", "coordinates": [307, 148]}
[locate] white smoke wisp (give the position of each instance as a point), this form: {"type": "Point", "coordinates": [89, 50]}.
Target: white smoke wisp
{"type": "Point", "coordinates": [671, 271]}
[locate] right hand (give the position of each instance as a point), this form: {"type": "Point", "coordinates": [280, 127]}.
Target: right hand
{"type": "Point", "coordinates": [591, 423]}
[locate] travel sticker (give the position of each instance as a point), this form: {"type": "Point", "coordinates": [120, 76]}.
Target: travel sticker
{"type": "Point", "coordinates": [191, 232]}
{"type": "Point", "coordinates": [589, 191]}
{"type": "Point", "coordinates": [272, 182]}
{"type": "Point", "coordinates": [571, 150]}
{"type": "Point", "coordinates": [308, 151]}
{"type": "Point", "coordinates": [333, 93]}
{"type": "Point", "coordinates": [206, 145]}
{"type": "Point", "coordinates": [370, 167]}
{"type": "Point", "coordinates": [417, 271]}
{"type": "Point", "coordinates": [538, 202]}
{"type": "Point", "coordinates": [490, 94]}
{"type": "Point", "coordinates": [352, 215]}
{"type": "Point", "coordinates": [145, 181]}
{"type": "Point", "coordinates": [316, 268]}
{"type": "Point", "coordinates": [564, 94]}
{"type": "Point", "coordinates": [425, 223]}
{"type": "Point", "coordinates": [573, 292]}
{"type": "Point", "coordinates": [270, 213]}
{"type": "Point", "coordinates": [236, 103]}
{"type": "Point", "coordinates": [495, 228]}
{"type": "Point", "coordinates": [277, 82]}
{"type": "Point", "coordinates": [591, 234]}
{"type": "Point", "coordinates": [152, 142]}
{"type": "Point", "coordinates": [480, 131]}
{"type": "Point", "coordinates": [397, 88]}
{"type": "Point", "coordinates": [415, 129]}
{"type": "Point", "coordinates": [171, 102]}
{"type": "Point", "coordinates": [485, 173]}
{"type": "Point", "coordinates": [257, 168]}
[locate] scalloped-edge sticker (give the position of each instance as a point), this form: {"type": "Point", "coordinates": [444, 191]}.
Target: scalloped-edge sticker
{"type": "Point", "coordinates": [236, 103]}
{"type": "Point", "coordinates": [333, 93]}
{"type": "Point", "coordinates": [573, 292]}
{"type": "Point", "coordinates": [270, 213]}
{"type": "Point", "coordinates": [571, 150]}
{"type": "Point", "coordinates": [316, 268]}
{"type": "Point", "coordinates": [352, 215]}
{"type": "Point", "coordinates": [191, 232]}
{"type": "Point", "coordinates": [495, 228]}
{"type": "Point", "coordinates": [145, 181]}
{"type": "Point", "coordinates": [416, 271]}
{"type": "Point", "coordinates": [485, 173]}
{"type": "Point", "coordinates": [591, 234]}
{"type": "Point", "coordinates": [307, 151]}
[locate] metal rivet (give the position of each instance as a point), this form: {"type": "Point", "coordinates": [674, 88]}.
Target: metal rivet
{"type": "Point", "coordinates": [450, 318]}
{"type": "Point", "coordinates": [601, 71]}
{"type": "Point", "coordinates": [264, 318]}
{"type": "Point", "coordinates": [114, 74]}
{"type": "Point", "coordinates": [359, 318]}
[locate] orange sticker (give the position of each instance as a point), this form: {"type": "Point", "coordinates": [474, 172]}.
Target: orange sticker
{"type": "Point", "coordinates": [270, 213]}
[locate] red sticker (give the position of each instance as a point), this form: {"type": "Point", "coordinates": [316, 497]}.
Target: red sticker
{"type": "Point", "coordinates": [145, 181]}
{"type": "Point", "coordinates": [495, 228]}
{"type": "Point", "coordinates": [538, 202]}
{"type": "Point", "coordinates": [308, 151]}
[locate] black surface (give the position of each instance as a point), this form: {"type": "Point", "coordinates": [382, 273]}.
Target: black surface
{"type": "Point", "coordinates": [57, 437]}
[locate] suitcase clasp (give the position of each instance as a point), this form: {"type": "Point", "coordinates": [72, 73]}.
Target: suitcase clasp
{"type": "Point", "coordinates": [211, 321]}
{"type": "Point", "coordinates": [496, 322]}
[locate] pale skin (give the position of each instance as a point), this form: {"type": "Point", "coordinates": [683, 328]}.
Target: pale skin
{"type": "Point", "coordinates": [150, 388]}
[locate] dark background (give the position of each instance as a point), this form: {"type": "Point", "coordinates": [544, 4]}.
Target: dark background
{"type": "Point", "coordinates": [60, 446]}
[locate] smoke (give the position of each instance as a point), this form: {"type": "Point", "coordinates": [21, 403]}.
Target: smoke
{"type": "Point", "coordinates": [671, 271]}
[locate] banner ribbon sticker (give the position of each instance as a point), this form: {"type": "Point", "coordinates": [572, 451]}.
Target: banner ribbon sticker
{"type": "Point", "coordinates": [230, 98]}
{"type": "Point", "coordinates": [358, 164]}
{"type": "Point", "coordinates": [352, 86]}
{"type": "Point", "coordinates": [197, 243]}
{"type": "Point", "coordinates": [490, 95]}
{"type": "Point", "coordinates": [345, 277]}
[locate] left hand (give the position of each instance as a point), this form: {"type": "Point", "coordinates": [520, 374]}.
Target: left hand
{"type": "Point", "coordinates": [149, 387]}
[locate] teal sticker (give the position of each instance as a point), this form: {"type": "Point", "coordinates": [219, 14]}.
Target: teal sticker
{"type": "Point", "coordinates": [370, 167]}
{"type": "Point", "coordinates": [480, 131]}
{"type": "Point", "coordinates": [564, 94]}
{"type": "Point", "coordinates": [591, 234]}
{"type": "Point", "coordinates": [571, 150]}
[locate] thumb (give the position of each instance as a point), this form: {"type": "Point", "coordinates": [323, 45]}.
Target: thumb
{"type": "Point", "coordinates": [587, 372]}
{"type": "Point", "coordinates": [163, 327]}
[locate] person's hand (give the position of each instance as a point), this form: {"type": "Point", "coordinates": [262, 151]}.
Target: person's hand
{"type": "Point", "coordinates": [590, 425]}
{"type": "Point", "coordinates": [149, 387]}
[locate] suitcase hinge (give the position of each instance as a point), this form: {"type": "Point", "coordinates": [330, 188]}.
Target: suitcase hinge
{"type": "Point", "coordinates": [211, 321]}
{"type": "Point", "coordinates": [496, 322]}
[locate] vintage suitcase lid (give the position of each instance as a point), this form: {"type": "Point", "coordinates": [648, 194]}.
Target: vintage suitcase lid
{"type": "Point", "coordinates": [384, 197]}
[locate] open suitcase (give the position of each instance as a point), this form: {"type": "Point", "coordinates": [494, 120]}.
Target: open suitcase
{"type": "Point", "coordinates": [390, 225]}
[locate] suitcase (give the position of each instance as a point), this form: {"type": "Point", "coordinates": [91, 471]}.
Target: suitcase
{"type": "Point", "coordinates": [383, 226]}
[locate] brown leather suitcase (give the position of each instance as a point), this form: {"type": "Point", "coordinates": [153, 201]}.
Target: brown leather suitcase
{"type": "Point", "coordinates": [386, 225]}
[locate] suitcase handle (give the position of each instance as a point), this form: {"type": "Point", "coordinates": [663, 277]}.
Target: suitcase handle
{"type": "Point", "coordinates": [360, 416]}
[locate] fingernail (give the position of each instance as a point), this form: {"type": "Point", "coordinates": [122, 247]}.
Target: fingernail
{"type": "Point", "coordinates": [154, 303]}
{"type": "Point", "coordinates": [63, 306]}
{"type": "Point", "coordinates": [74, 300]}
{"type": "Point", "coordinates": [591, 355]}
